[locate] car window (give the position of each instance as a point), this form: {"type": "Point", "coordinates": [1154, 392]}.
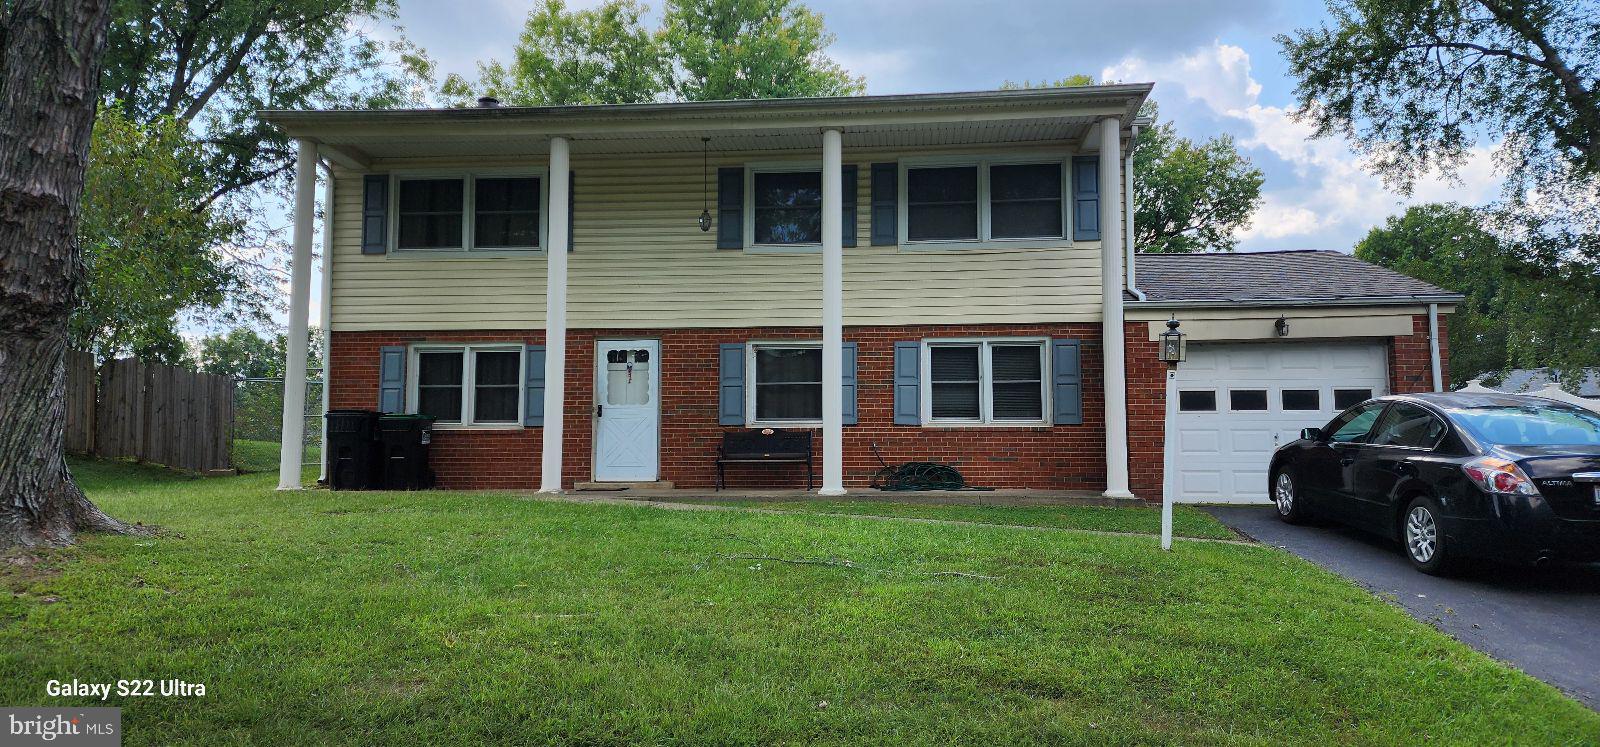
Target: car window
{"type": "Point", "coordinates": [1408, 425]}
{"type": "Point", "coordinates": [1531, 425]}
{"type": "Point", "coordinates": [1354, 424]}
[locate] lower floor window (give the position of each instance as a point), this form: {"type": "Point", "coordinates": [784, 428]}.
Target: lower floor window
{"type": "Point", "coordinates": [788, 383]}
{"type": "Point", "coordinates": [470, 384]}
{"type": "Point", "coordinates": [987, 381]}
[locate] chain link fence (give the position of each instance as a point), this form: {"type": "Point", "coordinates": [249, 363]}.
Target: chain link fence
{"type": "Point", "coordinates": [258, 422]}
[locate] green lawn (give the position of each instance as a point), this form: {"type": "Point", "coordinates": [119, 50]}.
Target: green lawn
{"type": "Point", "coordinates": [442, 618]}
{"type": "Point", "coordinates": [1187, 521]}
{"type": "Point", "coordinates": [262, 456]}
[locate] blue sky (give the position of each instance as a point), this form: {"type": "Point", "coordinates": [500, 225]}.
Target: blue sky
{"type": "Point", "coordinates": [1214, 63]}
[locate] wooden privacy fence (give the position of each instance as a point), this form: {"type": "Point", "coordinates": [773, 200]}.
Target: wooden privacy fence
{"type": "Point", "coordinates": [150, 412]}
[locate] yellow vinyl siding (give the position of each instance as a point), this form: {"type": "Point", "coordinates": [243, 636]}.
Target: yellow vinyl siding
{"type": "Point", "coordinates": [641, 261]}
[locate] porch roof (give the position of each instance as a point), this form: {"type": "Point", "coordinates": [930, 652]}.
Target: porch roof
{"type": "Point", "coordinates": [910, 120]}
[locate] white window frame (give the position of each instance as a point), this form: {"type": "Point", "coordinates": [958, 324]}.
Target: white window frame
{"type": "Point", "coordinates": [469, 362]}
{"type": "Point", "coordinates": [752, 384]}
{"type": "Point", "coordinates": [469, 212]}
{"type": "Point", "coordinates": [773, 167]}
{"type": "Point", "coordinates": [985, 381]}
{"type": "Point", "coordinates": [983, 163]}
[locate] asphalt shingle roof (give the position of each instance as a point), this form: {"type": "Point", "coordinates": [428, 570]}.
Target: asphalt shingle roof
{"type": "Point", "coordinates": [1271, 276]}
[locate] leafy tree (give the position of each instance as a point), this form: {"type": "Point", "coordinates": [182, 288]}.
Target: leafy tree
{"type": "Point", "coordinates": [1191, 196]}
{"type": "Point", "coordinates": [50, 52]}
{"type": "Point", "coordinates": [752, 49]}
{"type": "Point", "coordinates": [1188, 196]}
{"type": "Point", "coordinates": [1521, 310]}
{"type": "Point", "coordinates": [214, 64]}
{"type": "Point", "coordinates": [148, 240]}
{"type": "Point", "coordinates": [1415, 83]}
{"type": "Point", "coordinates": [705, 50]}
{"type": "Point", "coordinates": [1447, 245]}
{"type": "Point", "coordinates": [602, 55]}
{"type": "Point", "coordinates": [244, 353]}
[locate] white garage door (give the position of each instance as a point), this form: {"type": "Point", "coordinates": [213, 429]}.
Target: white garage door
{"type": "Point", "coordinates": [1237, 402]}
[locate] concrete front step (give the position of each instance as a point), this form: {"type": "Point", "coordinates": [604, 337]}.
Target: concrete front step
{"type": "Point", "coordinates": [611, 487]}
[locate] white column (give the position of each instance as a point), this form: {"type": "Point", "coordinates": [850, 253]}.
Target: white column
{"type": "Point", "coordinates": [292, 451]}
{"type": "Point", "coordinates": [555, 318]}
{"type": "Point", "coordinates": [832, 315]}
{"type": "Point", "coordinates": [325, 317]}
{"type": "Point", "coordinates": [1116, 394]}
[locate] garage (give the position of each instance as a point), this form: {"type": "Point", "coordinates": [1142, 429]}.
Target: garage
{"type": "Point", "coordinates": [1236, 402]}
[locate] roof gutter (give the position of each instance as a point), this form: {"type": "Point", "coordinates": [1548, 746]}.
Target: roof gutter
{"type": "Point", "coordinates": [1204, 303]}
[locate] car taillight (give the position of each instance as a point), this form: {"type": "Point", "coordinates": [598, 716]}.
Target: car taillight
{"type": "Point", "coordinates": [1495, 475]}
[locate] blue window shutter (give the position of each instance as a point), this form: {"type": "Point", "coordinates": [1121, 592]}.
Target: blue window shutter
{"type": "Point", "coordinates": [907, 383]}
{"type": "Point", "coordinates": [847, 185]}
{"type": "Point", "coordinates": [572, 183]}
{"type": "Point", "coordinates": [730, 384]}
{"type": "Point", "coordinates": [885, 204]}
{"type": "Point", "coordinates": [392, 378]}
{"type": "Point", "coordinates": [533, 385]}
{"type": "Point", "coordinates": [1086, 198]}
{"type": "Point", "coordinates": [730, 208]}
{"type": "Point", "coordinates": [1066, 382]}
{"type": "Point", "coordinates": [375, 214]}
{"type": "Point", "coordinates": [847, 388]}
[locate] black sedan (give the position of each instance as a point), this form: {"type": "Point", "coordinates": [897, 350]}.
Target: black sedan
{"type": "Point", "coordinates": [1452, 476]}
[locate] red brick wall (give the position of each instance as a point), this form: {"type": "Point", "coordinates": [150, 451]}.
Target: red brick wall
{"type": "Point", "coordinates": [1054, 457]}
{"type": "Point", "coordinates": [1409, 372]}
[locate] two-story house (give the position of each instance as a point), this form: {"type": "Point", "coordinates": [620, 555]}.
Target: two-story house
{"type": "Point", "coordinates": [596, 293]}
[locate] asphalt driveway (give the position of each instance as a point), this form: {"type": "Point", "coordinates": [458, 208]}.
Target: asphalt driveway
{"type": "Point", "coordinates": [1545, 621]}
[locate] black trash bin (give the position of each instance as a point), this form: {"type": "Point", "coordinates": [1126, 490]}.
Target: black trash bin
{"type": "Point", "coordinates": [403, 443]}
{"type": "Point", "coordinates": [352, 449]}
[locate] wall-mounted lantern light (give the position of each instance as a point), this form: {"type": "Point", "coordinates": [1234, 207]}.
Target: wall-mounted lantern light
{"type": "Point", "coordinates": [1281, 326]}
{"type": "Point", "coordinates": [1173, 345]}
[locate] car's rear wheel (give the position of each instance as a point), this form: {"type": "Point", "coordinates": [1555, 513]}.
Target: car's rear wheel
{"type": "Point", "coordinates": [1286, 495]}
{"type": "Point", "coordinates": [1424, 538]}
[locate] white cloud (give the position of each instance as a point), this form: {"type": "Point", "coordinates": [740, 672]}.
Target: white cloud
{"type": "Point", "coordinates": [1336, 199]}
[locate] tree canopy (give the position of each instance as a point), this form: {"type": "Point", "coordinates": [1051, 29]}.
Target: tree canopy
{"type": "Point", "coordinates": [1524, 307]}
{"type": "Point", "coordinates": [704, 50]}
{"type": "Point", "coordinates": [1414, 84]}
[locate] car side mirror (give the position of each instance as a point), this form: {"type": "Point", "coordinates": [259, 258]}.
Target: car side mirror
{"type": "Point", "coordinates": [1311, 434]}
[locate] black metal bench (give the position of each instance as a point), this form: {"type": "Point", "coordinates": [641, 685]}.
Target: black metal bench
{"type": "Point", "coordinates": [765, 446]}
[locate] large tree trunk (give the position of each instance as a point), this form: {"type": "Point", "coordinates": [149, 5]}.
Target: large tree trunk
{"type": "Point", "coordinates": [51, 68]}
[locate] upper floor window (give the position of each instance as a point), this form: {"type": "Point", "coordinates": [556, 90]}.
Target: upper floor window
{"type": "Point", "coordinates": [787, 207]}
{"type": "Point", "coordinates": [431, 212]}
{"type": "Point", "coordinates": [986, 200]}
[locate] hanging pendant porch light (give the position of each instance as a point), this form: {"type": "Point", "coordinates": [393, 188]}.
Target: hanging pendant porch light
{"type": "Point", "coordinates": [705, 185]}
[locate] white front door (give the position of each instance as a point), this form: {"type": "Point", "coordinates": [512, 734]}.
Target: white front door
{"type": "Point", "coordinates": [1237, 402]}
{"type": "Point", "coordinates": [627, 410]}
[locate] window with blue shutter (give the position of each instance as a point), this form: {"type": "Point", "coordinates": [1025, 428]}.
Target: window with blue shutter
{"type": "Point", "coordinates": [1066, 382]}
{"type": "Point", "coordinates": [847, 387]}
{"type": "Point", "coordinates": [730, 208]}
{"type": "Point", "coordinates": [907, 383]}
{"type": "Point", "coordinates": [392, 378]}
{"type": "Point", "coordinates": [730, 383]}
{"type": "Point", "coordinates": [375, 214]}
{"type": "Point", "coordinates": [533, 385]}
{"type": "Point", "coordinates": [847, 185]}
{"type": "Point", "coordinates": [1086, 198]}
{"type": "Point", "coordinates": [885, 204]}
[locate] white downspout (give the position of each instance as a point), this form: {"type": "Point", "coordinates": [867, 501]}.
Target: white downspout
{"type": "Point", "coordinates": [1127, 233]}
{"type": "Point", "coordinates": [325, 317]}
{"type": "Point", "coordinates": [292, 446]}
{"type": "Point", "coordinates": [1433, 347]}
{"type": "Point", "coordinates": [1111, 335]}
{"type": "Point", "coordinates": [832, 314]}
{"type": "Point", "coordinates": [555, 319]}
